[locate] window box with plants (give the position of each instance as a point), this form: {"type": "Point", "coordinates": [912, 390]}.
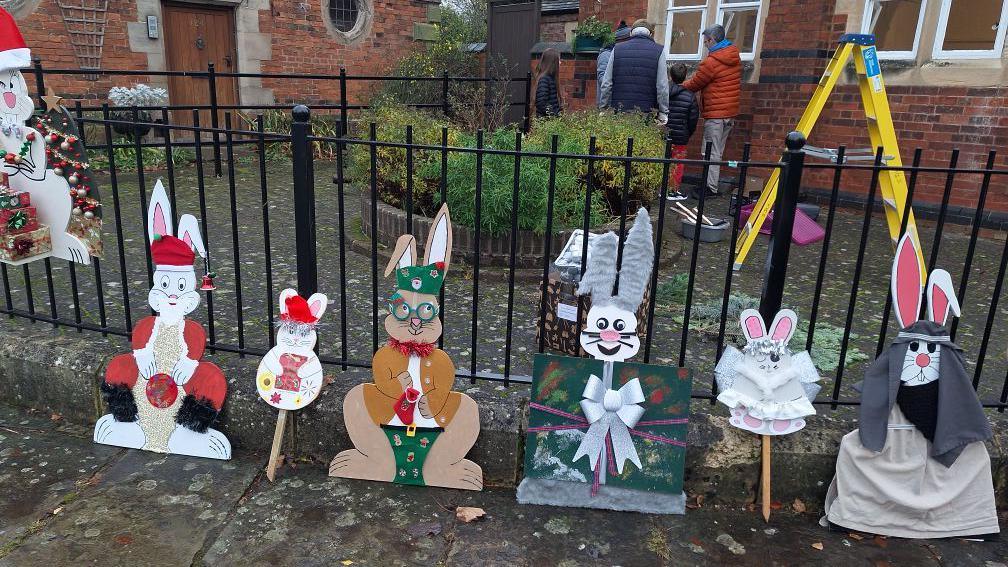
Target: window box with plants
{"type": "Point", "coordinates": [592, 34]}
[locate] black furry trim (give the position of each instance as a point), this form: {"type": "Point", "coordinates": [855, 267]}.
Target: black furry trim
{"type": "Point", "coordinates": [120, 402]}
{"type": "Point", "coordinates": [196, 414]}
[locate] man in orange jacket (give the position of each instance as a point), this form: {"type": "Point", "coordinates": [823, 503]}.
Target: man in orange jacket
{"type": "Point", "coordinates": [718, 79]}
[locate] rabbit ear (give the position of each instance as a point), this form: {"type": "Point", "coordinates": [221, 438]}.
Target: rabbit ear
{"type": "Point", "coordinates": [404, 255]}
{"type": "Point", "coordinates": [600, 270]}
{"type": "Point", "coordinates": [638, 260]}
{"type": "Point", "coordinates": [284, 296]}
{"type": "Point", "coordinates": [753, 326]}
{"type": "Point", "coordinates": [189, 232]}
{"type": "Point", "coordinates": [317, 304]}
{"type": "Point", "coordinates": [439, 241]}
{"type": "Point", "coordinates": [907, 286]}
{"type": "Point", "coordinates": [784, 325]}
{"type": "Point", "coordinates": [159, 213]}
{"type": "Point", "coordinates": [941, 297]}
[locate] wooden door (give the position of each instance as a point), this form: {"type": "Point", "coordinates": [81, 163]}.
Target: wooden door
{"type": "Point", "coordinates": [513, 28]}
{"type": "Point", "coordinates": [196, 36]}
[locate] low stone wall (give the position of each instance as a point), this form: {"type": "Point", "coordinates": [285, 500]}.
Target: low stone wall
{"type": "Point", "coordinates": [58, 371]}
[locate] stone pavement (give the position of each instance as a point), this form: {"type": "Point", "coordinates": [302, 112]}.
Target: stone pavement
{"type": "Point", "coordinates": [66, 501]}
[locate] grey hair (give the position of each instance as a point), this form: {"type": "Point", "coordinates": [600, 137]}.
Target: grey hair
{"type": "Point", "coordinates": [715, 32]}
{"type": "Point", "coordinates": [638, 260]}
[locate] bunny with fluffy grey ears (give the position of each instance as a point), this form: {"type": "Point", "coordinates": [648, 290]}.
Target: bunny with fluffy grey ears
{"type": "Point", "coordinates": [610, 333]}
{"type": "Point", "coordinates": [768, 389]}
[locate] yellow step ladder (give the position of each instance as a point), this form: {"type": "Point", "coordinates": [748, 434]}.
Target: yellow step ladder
{"type": "Point", "coordinates": [880, 131]}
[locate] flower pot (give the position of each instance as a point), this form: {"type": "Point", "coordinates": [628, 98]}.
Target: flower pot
{"type": "Point", "coordinates": [127, 116]}
{"type": "Point", "coordinates": [582, 43]}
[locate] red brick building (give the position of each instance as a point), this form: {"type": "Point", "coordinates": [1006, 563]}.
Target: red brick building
{"type": "Point", "coordinates": [247, 36]}
{"type": "Point", "coordinates": [945, 64]}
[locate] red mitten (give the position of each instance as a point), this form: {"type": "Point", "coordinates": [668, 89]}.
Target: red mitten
{"type": "Point", "coordinates": [405, 404]}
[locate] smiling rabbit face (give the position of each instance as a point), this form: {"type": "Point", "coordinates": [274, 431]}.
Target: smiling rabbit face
{"type": "Point", "coordinates": [413, 310]}
{"type": "Point", "coordinates": [610, 333]}
{"type": "Point", "coordinates": [298, 318]}
{"type": "Point", "coordinates": [15, 105]}
{"type": "Point", "coordinates": [174, 294]}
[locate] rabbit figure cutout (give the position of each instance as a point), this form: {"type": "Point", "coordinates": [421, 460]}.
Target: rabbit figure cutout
{"type": "Point", "coordinates": [768, 389]}
{"type": "Point", "coordinates": [23, 150]}
{"type": "Point", "coordinates": [408, 426]}
{"type": "Point", "coordinates": [917, 466]}
{"type": "Point", "coordinates": [161, 396]}
{"type": "Point", "coordinates": [290, 374]}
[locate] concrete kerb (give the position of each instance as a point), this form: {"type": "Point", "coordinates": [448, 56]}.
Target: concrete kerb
{"type": "Point", "coordinates": [56, 370]}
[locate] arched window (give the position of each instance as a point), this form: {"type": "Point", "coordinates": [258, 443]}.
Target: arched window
{"type": "Point", "coordinates": [343, 14]}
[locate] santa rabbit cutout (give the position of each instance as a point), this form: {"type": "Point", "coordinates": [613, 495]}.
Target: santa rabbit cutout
{"type": "Point", "coordinates": [161, 397]}
{"type": "Point", "coordinates": [23, 148]}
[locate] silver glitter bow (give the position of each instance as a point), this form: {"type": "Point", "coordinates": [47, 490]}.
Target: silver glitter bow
{"type": "Point", "coordinates": [614, 413]}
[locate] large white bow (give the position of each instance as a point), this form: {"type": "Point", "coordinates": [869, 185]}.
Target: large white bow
{"type": "Point", "coordinates": [613, 412]}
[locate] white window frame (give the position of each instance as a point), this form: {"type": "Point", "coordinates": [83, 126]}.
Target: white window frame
{"type": "Point", "coordinates": [669, 13]}
{"type": "Point", "coordinates": [868, 18]}
{"type": "Point", "coordinates": [999, 40]}
{"type": "Point", "coordinates": [724, 6]}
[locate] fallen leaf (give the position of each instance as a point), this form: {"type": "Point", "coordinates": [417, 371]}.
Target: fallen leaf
{"type": "Point", "coordinates": [818, 545]}
{"type": "Point", "coordinates": [775, 505]}
{"type": "Point", "coordinates": [346, 562]}
{"type": "Point", "coordinates": [855, 536]}
{"type": "Point", "coordinates": [57, 510]}
{"type": "Point", "coordinates": [468, 513]}
{"type": "Point", "coordinates": [798, 506]}
{"type": "Point", "coordinates": [424, 529]}
{"type": "Point", "coordinates": [694, 502]}
{"type": "Point", "coordinates": [55, 417]}
{"type": "Point", "coordinates": [123, 539]}
{"type": "Point", "coordinates": [326, 380]}
{"type": "Point", "coordinates": [881, 541]}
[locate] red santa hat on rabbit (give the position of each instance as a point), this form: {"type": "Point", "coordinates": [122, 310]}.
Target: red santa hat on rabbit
{"type": "Point", "coordinates": [14, 52]}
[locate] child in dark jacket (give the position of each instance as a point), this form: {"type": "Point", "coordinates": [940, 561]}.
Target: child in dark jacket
{"type": "Point", "coordinates": [547, 90]}
{"type": "Point", "coordinates": [684, 112]}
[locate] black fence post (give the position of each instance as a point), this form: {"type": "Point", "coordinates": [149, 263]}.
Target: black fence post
{"type": "Point", "coordinates": [445, 107]}
{"type": "Point", "coordinates": [304, 201]}
{"type": "Point", "coordinates": [40, 83]}
{"type": "Point", "coordinates": [528, 101]}
{"type": "Point", "coordinates": [783, 225]}
{"type": "Point", "coordinates": [343, 104]}
{"type": "Point", "coordinates": [214, 119]}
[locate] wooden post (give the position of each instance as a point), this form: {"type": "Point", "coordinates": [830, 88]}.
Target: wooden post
{"type": "Point", "coordinates": [764, 478]}
{"type": "Point", "coordinates": [271, 467]}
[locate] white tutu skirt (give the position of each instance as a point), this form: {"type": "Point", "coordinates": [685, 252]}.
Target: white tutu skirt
{"type": "Point", "coordinates": [901, 492]}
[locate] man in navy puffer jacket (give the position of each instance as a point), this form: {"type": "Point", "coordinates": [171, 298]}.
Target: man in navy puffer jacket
{"type": "Point", "coordinates": [636, 78]}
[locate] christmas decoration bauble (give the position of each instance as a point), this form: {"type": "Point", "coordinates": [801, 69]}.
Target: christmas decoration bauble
{"type": "Point", "coordinates": [76, 210]}
{"type": "Point", "coordinates": [65, 146]}
{"type": "Point", "coordinates": [72, 180]}
{"type": "Point", "coordinates": [58, 171]}
{"type": "Point", "coordinates": [89, 214]}
{"type": "Point", "coordinates": [82, 192]}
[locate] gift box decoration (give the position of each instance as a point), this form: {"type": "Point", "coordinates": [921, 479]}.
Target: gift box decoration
{"type": "Point", "coordinates": [13, 199]}
{"type": "Point", "coordinates": [15, 221]}
{"type": "Point", "coordinates": [15, 247]}
{"type": "Point", "coordinates": [631, 435]}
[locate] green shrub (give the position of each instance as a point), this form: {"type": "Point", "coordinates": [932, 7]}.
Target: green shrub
{"type": "Point", "coordinates": [673, 290]}
{"type": "Point", "coordinates": [279, 121]}
{"type": "Point", "coordinates": [391, 119]}
{"type": "Point", "coordinates": [611, 132]}
{"type": "Point", "coordinates": [533, 187]}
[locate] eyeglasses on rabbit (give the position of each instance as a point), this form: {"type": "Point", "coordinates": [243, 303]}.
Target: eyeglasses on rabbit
{"type": "Point", "coordinates": [403, 311]}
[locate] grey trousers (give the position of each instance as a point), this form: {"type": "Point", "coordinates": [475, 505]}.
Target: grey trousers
{"type": "Point", "coordinates": [715, 132]}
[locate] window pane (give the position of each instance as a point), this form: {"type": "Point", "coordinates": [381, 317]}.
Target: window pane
{"type": "Point", "coordinates": [681, 3]}
{"type": "Point", "coordinates": [685, 32]}
{"type": "Point", "coordinates": [896, 26]}
{"type": "Point", "coordinates": [972, 24]}
{"type": "Point", "coordinates": [740, 28]}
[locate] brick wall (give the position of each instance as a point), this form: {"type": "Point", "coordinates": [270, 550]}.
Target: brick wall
{"type": "Point", "coordinates": [46, 35]}
{"type": "Point", "coordinates": [300, 44]}
{"type": "Point", "coordinates": [614, 11]}
{"type": "Point", "coordinates": [551, 26]}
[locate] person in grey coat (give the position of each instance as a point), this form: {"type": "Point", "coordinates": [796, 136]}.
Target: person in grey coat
{"type": "Point", "coordinates": [622, 33]}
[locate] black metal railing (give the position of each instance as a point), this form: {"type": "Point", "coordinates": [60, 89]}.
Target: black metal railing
{"type": "Point", "coordinates": [295, 227]}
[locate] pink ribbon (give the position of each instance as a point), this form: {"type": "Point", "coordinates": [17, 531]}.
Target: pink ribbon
{"type": "Point", "coordinates": [582, 423]}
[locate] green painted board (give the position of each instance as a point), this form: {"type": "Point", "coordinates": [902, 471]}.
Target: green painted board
{"type": "Point", "coordinates": [558, 381]}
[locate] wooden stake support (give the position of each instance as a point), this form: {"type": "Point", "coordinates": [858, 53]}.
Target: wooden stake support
{"type": "Point", "coordinates": [281, 423]}
{"type": "Point", "coordinates": [765, 478]}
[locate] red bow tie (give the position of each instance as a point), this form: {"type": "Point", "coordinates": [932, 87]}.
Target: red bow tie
{"type": "Point", "coordinates": [407, 348]}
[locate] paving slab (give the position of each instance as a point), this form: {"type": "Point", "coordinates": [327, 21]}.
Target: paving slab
{"type": "Point", "coordinates": [42, 465]}
{"type": "Point", "coordinates": [142, 509]}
